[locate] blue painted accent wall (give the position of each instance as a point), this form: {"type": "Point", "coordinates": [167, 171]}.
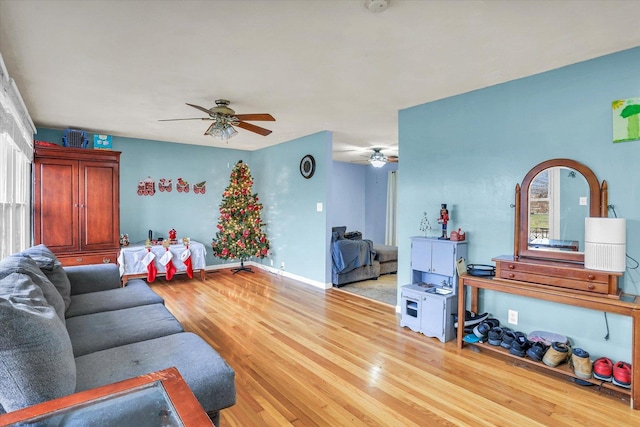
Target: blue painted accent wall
{"type": "Point", "coordinates": [360, 198]}
{"type": "Point", "coordinates": [469, 151]}
{"type": "Point", "coordinates": [349, 196]}
{"type": "Point", "coordinates": [298, 233]}
{"type": "Point", "coordinates": [376, 201]}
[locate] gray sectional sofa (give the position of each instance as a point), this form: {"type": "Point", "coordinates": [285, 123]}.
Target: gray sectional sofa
{"type": "Point", "coordinates": [69, 329]}
{"type": "Point", "coordinates": [354, 259]}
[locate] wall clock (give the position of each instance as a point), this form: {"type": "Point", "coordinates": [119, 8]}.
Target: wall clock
{"type": "Point", "coordinates": [307, 166]}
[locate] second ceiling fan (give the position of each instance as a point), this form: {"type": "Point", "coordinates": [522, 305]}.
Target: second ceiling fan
{"type": "Point", "coordinates": [378, 159]}
{"type": "Point", "coordinates": [224, 119]}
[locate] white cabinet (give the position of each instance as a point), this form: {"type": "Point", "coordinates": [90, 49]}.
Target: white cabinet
{"type": "Point", "coordinates": [429, 303]}
{"type": "Point", "coordinates": [434, 261]}
{"type": "Point", "coordinates": [437, 316]}
{"type": "Point", "coordinates": [425, 311]}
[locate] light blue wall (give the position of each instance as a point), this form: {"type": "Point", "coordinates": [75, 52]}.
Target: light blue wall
{"type": "Point", "coordinates": [360, 198]}
{"type": "Point", "coordinates": [376, 201]}
{"type": "Point", "coordinates": [348, 197]}
{"type": "Point", "coordinates": [469, 151]}
{"type": "Point", "coordinates": [298, 233]}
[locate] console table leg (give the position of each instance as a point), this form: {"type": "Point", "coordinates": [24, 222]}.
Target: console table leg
{"type": "Point", "coordinates": [461, 313]}
{"type": "Point", "coordinates": [635, 360]}
{"type": "Point", "coordinates": [474, 300]}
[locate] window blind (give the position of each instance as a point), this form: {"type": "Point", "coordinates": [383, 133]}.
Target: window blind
{"type": "Point", "coordinates": [16, 156]}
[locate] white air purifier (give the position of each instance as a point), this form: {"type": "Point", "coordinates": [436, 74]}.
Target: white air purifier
{"type": "Point", "coordinates": [605, 244]}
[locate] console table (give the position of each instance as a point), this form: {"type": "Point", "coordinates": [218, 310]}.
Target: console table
{"type": "Point", "coordinates": [159, 398]}
{"type": "Point", "coordinates": [594, 302]}
{"type": "Point", "coordinates": [131, 266]}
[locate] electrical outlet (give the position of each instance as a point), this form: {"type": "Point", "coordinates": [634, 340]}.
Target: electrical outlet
{"type": "Point", "coordinates": [271, 262]}
{"type": "Point", "coordinates": [513, 317]}
{"type": "Point", "coordinates": [282, 265]}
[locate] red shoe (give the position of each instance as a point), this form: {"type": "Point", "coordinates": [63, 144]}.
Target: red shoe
{"type": "Point", "coordinates": [603, 369]}
{"type": "Point", "coordinates": [622, 374]}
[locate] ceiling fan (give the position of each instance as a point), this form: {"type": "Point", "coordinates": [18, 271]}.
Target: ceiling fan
{"type": "Point", "coordinates": [224, 119]}
{"type": "Point", "coordinates": [378, 159]}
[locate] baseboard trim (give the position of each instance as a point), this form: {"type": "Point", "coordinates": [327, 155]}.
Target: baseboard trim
{"type": "Point", "coordinates": [271, 270]}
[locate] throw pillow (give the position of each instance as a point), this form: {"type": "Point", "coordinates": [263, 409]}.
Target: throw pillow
{"type": "Point", "coordinates": [19, 263]}
{"type": "Point", "coordinates": [36, 357]}
{"type": "Point", "coordinates": [52, 268]}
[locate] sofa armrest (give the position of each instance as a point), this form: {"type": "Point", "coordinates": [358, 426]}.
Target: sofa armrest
{"type": "Point", "coordinates": [93, 278]}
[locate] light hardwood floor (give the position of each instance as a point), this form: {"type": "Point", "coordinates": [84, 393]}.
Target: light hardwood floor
{"type": "Point", "coordinates": [308, 357]}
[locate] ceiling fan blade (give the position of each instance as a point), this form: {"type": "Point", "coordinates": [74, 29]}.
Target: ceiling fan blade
{"type": "Point", "coordinates": [206, 110]}
{"type": "Point", "coordinates": [392, 159]}
{"type": "Point", "coordinates": [256, 117]}
{"type": "Point", "coordinates": [254, 128]}
{"type": "Point", "coordinates": [193, 118]}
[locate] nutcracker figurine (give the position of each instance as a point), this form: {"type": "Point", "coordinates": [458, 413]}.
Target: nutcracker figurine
{"type": "Point", "coordinates": [444, 218]}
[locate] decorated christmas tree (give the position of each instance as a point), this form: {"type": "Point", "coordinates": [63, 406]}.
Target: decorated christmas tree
{"type": "Point", "coordinates": [240, 234]}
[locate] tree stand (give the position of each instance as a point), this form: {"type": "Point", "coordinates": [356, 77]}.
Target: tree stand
{"type": "Point", "coordinates": [241, 268]}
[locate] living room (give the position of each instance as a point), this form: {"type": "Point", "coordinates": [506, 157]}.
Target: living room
{"type": "Point", "coordinates": [468, 150]}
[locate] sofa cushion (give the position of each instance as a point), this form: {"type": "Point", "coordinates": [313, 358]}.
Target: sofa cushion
{"type": "Point", "coordinates": [208, 375]}
{"type": "Point", "coordinates": [385, 253]}
{"type": "Point", "coordinates": [388, 267]}
{"type": "Point", "coordinates": [99, 331]}
{"type": "Point", "coordinates": [135, 294]}
{"type": "Point", "coordinates": [93, 278]}
{"type": "Point", "coordinates": [20, 263]}
{"type": "Point", "coordinates": [52, 268]}
{"type": "Point", "coordinates": [36, 358]}
{"type": "Point", "coordinates": [365, 272]}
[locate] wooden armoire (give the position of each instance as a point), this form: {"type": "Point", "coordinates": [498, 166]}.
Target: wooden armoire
{"type": "Point", "coordinates": [77, 203]}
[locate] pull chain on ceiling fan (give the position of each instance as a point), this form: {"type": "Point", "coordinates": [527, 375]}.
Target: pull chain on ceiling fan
{"type": "Point", "coordinates": [224, 119]}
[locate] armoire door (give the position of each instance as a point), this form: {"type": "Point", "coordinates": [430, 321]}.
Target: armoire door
{"type": "Point", "coordinates": [56, 204]}
{"type": "Point", "coordinates": [99, 205]}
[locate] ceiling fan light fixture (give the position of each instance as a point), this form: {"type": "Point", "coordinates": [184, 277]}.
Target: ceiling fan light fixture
{"type": "Point", "coordinates": [222, 127]}
{"type": "Point", "coordinates": [377, 159]}
{"type": "Point", "coordinates": [230, 131]}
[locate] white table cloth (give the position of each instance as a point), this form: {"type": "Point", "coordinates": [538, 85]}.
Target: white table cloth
{"type": "Point", "coordinates": [130, 258]}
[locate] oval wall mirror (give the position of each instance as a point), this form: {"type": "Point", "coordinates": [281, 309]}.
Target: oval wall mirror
{"type": "Point", "coordinates": [551, 205]}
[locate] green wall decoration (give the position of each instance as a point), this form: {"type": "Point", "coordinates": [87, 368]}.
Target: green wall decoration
{"type": "Point", "coordinates": [626, 119]}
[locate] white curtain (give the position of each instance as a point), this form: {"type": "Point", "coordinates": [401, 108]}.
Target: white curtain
{"type": "Point", "coordinates": [16, 156]}
{"type": "Point", "coordinates": [391, 231]}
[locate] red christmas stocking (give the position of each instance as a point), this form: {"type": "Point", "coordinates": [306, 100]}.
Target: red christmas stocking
{"type": "Point", "coordinates": [186, 259]}
{"type": "Point", "coordinates": [151, 266]}
{"type": "Point", "coordinates": [167, 261]}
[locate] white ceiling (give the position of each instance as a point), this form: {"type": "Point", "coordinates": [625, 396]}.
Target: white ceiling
{"type": "Point", "coordinates": [116, 67]}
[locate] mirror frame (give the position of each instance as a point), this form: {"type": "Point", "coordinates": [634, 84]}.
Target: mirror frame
{"type": "Point", "coordinates": [598, 201]}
